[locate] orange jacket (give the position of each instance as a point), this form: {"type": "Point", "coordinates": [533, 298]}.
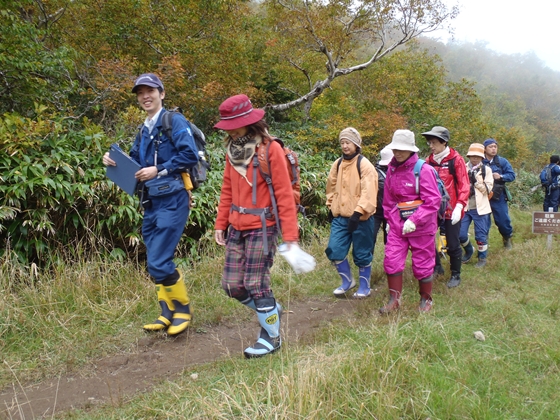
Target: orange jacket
{"type": "Point", "coordinates": [236, 190]}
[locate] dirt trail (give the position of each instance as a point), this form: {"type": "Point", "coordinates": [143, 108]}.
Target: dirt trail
{"type": "Point", "coordinates": [115, 378]}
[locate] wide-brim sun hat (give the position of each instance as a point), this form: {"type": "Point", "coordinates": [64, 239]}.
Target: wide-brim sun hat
{"type": "Point", "coordinates": [386, 156]}
{"type": "Point", "coordinates": [441, 133]}
{"type": "Point", "coordinates": [236, 112]}
{"type": "Point", "coordinates": [147, 79]}
{"type": "Point", "coordinates": [403, 140]}
{"type": "Point", "coordinates": [476, 149]}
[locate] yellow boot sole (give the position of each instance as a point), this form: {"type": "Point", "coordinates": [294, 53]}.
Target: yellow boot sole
{"type": "Point", "coordinates": [161, 324]}
{"type": "Point", "coordinates": [179, 324]}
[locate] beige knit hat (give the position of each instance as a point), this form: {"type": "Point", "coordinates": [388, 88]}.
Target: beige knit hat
{"type": "Point", "coordinates": [351, 134]}
{"type": "Point", "coordinates": [476, 149]}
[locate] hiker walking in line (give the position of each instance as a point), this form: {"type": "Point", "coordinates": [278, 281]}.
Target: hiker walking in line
{"type": "Point", "coordinates": [451, 168]}
{"type": "Point", "coordinates": [379, 221]}
{"type": "Point", "coordinates": [502, 173]}
{"type": "Point", "coordinates": [164, 199]}
{"type": "Point", "coordinates": [478, 207]}
{"type": "Point", "coordinates": [549, 181]}
{"type": "Point", "coordinates": [245, 224]}
{"type": "Point", "coordinates": [412, 217]}
{"type": "Point", "coordinates": [351, 199]}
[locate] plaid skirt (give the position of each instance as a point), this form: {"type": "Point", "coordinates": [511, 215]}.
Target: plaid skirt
{"type": "Point", "coordinates": [247, 267]}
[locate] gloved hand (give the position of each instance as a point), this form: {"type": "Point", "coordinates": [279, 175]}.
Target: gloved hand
{"type": "Point", "coordinates": [456, 215]}
{"type": "Point", "coordinates": [353, 221]}
{"type": "Point", "coordinates": [408, 227]}
{"type": "Point", "coordinates": [330, 217]}
{"type": "Point", "coordinates": [298, 259]}
{"type": "Point", "coordinates": [387, 229]}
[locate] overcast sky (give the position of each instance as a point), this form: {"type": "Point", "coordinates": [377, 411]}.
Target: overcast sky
{"type": "Point", "coordinates": [510, 26]}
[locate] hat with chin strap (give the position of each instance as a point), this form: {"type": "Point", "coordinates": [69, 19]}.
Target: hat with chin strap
{"type": "Point", "coordinates": [441, 133]}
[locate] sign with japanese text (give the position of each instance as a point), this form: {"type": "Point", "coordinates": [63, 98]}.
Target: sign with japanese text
{"type": "Point", "coordinates": [545, 222]}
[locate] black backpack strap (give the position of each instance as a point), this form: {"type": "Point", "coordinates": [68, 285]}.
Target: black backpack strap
{"type": "Point", "coordinates": [358, 163]}
{"type": "Point", "coordinates": [167, 124]}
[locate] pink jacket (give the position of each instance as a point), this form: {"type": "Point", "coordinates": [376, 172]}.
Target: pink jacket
{"type": "Point", "coordinates": [400, 186]}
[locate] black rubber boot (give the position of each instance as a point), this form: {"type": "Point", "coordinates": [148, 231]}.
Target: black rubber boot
{"type": "Point", "coordinates": [469, 251]}
{"type": "Point", "coordinates": [455, 279]}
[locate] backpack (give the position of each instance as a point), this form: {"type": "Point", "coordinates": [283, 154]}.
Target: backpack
{"type": "Point", "coordinates": [441, 187]}
{"type": "Point", "coordinates": [197, 173]}
{"type": "Point", "coordinates": [546, 176]}
{"type": "Point", "coordinates": [381, 177]}
{"type": "Point", "coordinates": [261, 160]}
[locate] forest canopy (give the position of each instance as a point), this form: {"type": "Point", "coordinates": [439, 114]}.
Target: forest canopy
{"type": "Point", "coordinates": [67, 68]}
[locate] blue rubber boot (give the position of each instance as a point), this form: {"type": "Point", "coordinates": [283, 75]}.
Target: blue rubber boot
{"type": "Point", "coordinates": [343, 268]}
{"type": "Point", "coordinates": [364, 290]}
{"type": "Point", "coordinates": [269, 337]}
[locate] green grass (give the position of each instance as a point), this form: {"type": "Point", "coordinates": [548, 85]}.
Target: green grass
{"type": "Point", "coordinates": [404, 366]}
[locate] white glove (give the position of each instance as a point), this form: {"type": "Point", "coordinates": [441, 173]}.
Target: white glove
{"type": "Point", "coordinates": [298, 259]}
{"type": "Point", "coordinates": [408, 227]}
{"type": "Point", "coordinates": [456, 215]}
{"type": "Point", "coordinates": [387, 229]}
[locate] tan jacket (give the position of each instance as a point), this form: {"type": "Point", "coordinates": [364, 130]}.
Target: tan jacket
{"type": "Point", "coordinates": [347, 192]}
{"type": "Point", "coordinates": [481, 190]}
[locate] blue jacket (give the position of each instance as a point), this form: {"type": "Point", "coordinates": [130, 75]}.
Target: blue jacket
{"type": "Point", "coordinates": [501, 166]}
{"type": "Point", "coordinates": [175, 155]}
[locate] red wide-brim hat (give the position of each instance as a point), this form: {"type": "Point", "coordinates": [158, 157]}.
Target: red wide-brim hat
{"type": "Point", "coordinates": [236, 112]}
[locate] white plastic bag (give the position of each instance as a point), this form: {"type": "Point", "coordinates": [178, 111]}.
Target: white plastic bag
{"type": "Point", "coordinates": [298, 259]}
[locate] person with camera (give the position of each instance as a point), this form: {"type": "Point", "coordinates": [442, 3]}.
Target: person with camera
{"type": "Point", "coordinates": [478, 207]}
{"type": "Point", "coordinates": [164, 198]}
{"type": "Point", "coordinates": [502, 172]}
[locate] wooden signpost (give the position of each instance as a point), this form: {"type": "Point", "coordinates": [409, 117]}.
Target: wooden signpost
{"type": "Point", "coordinates": [546, 222]}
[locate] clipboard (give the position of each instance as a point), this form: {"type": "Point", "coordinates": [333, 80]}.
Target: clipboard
{"type": "Point", "coordinates": [123, 173]}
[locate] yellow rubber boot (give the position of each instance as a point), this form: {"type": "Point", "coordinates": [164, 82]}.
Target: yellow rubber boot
{"type": "Point", "coordinates": [177, 294]}
{"type": "Point", "coordinates": [167, 308]}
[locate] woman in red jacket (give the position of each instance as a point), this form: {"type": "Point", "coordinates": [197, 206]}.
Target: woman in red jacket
{"type": "Point", "coordinates": [246, 224]}
{"type": "Point", "coordinates": [453, 171]}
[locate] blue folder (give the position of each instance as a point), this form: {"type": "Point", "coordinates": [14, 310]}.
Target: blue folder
{"type": "Point", "coordinates": [123, 173]}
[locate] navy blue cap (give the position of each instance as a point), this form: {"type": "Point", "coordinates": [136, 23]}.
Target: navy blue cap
{"type": "Point", "coordinates": [147, 79]}
{"type": "Point", "coordinates": [488, 142]}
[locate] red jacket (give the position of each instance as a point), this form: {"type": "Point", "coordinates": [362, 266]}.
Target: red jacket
{"type": "Point", "coordinates": [457, 186]}
{"type": "Point", "coordinates": [236, 190]}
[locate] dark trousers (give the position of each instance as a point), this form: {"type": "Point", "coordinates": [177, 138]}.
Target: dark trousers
{"type": "Point", "coordinates": [551, 199]}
